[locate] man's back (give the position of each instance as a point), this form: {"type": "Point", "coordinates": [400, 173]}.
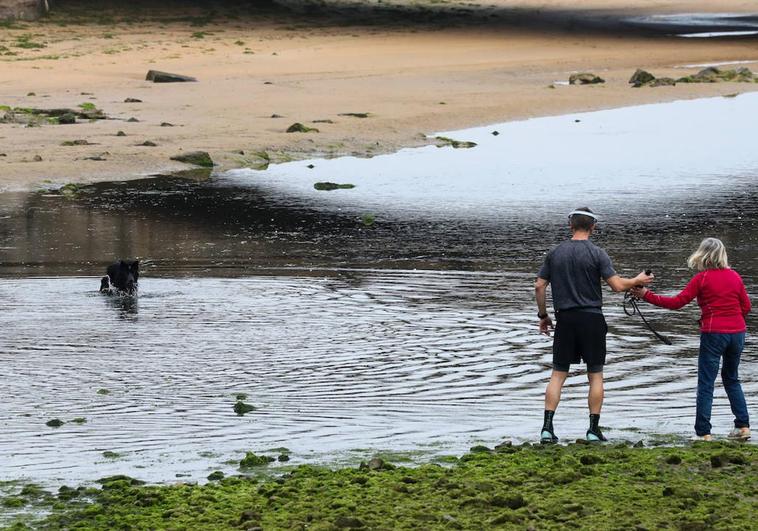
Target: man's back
{"type": "Point", "coordinates": [574, 269]}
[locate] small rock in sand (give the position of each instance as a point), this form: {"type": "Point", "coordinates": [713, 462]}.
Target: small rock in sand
{"type": "Point", "coordinates": [198, 158]}
{"type": "Point", "coordinates": [297, 127]}
{"type": "Point", "coordinates": [585, 78]}
{"type": "Point", "coordinates": [156, 76]}
{"type": "Point", "coordinates": [132, 100]}
{"type": "Point", "coordinates": [641, 77]}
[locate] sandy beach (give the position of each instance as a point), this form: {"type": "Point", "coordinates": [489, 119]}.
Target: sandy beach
{"type": "Point", "coordinates": [413, 68]}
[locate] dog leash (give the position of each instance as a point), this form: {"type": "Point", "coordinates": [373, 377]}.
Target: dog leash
{"type": "Point", "coordinates": [631, 300]}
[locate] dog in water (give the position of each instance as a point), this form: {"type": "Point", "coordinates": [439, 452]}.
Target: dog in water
{"type": "Point", "coordinates": [122, 278]}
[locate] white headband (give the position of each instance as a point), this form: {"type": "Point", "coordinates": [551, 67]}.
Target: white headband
{"type": "Point", "coordinates": [583, 213]}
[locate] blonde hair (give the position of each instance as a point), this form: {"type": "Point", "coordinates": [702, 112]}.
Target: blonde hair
{"type": "Point", "coordinates": [710, 255]}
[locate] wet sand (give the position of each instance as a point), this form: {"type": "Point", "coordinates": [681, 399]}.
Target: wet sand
{"type": "Point", "coordinates": [415, 69]}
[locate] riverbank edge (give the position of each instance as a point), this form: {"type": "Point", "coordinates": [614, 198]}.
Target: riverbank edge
{"type": "Point", "coordinates": [615, 486]}
{"type": "Point", "coordinates": [88, 51]}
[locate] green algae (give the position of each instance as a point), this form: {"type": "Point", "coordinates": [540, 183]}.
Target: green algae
{"type": "Point", "coordinates": [368, 220]}
{"type": "Point", "coordinates": [600, 487]}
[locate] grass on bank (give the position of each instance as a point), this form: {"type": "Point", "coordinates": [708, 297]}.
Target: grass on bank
{"type": "Point", "coordinates": [704, 486]}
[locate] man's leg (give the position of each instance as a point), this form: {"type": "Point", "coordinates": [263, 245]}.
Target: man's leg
{"type": "Point", "coordinates": [595, 402]}
{"type": "Point", "coordinates": [597, 392]}
{"type": "Point", "coordinates": [552, 399]}
{"type": "Point", "coordinates": [554, 388]}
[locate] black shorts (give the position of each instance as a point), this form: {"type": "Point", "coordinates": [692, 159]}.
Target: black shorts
{"type": "Point", "coordinates": [579, 335]}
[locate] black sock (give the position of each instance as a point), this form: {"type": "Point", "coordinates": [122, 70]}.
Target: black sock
{"type": "Point", "coordinates": [548, 424]}
{"type": "Point", "coordinates": [595, 422]}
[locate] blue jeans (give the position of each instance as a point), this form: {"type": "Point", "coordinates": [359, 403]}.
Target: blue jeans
{"type": "Point", "coordinates": [713, 347]}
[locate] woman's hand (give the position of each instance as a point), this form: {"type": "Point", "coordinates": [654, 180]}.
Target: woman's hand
{"type": "Point", "coordinates": [639, 292]}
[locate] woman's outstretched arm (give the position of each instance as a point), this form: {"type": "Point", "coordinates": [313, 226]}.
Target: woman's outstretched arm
{"type": "Point", "coordinates": [677, 301]}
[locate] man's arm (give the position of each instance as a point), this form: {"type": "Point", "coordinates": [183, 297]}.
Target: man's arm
{"type": "Point", "coordinates": [618, 283]}
{"type": "Point", "coordinates": [540, 293]}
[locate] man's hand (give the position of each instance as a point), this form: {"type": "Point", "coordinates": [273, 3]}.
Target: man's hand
{"type": "Point", "coordinates": [546, 325]}
{"type": "Point", "coordinates": [643, 279]}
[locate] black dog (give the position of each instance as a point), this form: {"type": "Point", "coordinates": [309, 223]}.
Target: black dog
{"type": "Point", "coordinates": [122, 278]}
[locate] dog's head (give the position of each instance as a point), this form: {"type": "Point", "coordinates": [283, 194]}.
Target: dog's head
{"type": "Point", "coordinates": [130, 270]}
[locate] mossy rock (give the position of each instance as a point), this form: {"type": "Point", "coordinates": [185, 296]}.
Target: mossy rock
{"type": "Point", "coordinates": [443, 141]}
{"type": "Point", "coordinates": [78, 142]}
{"type": "Point", "coordinates": [641, 77]}
{"type": "Point", "coordinates": [297, 127]}
{"type": "Point", "coordinates": [663, 82]}
{"type": "Point", "coordinates": [54, 423]}
{"type": "Point", "coordinates": [349, 522]}
{"type": "Point", "coordinates": [119, 481]}
{"type": "Point", "coordinates": [69, 190]}
{"type": "Point", "coordinates": [328, 186]}
{"type": "Point", "coordinates": [252, 460]}
{"type": "Point", "coordinates": [66, 119]}
{"type": "Point", "coordinates": [198, 158]}
{"type": "Point", "coordinates": [479, 449]}
{"type": "Point", "coordinates": [216, 476]}
{"type": "Point", "coordinates": [240, 408]}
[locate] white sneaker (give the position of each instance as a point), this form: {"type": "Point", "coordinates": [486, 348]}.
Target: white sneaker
{"type": "Point", "coordinates": [743, 434]}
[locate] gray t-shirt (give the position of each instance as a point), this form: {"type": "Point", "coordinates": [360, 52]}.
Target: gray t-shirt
{"type": "Point", "coordinates": [574, 269]}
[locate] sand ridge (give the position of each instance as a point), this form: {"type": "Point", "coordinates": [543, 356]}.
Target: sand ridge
{"type": "Point", "coordinates": [445, 66]}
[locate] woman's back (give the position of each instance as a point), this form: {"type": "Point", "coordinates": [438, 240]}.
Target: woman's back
{"type": "Point", "coordinates": [721, 296]}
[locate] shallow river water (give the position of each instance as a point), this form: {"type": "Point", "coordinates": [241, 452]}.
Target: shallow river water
{"type": "Point", "coordinates": [415, 333]}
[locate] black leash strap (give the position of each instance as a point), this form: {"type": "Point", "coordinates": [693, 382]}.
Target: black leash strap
{"type": "Point", "coordinates": [630, 300]}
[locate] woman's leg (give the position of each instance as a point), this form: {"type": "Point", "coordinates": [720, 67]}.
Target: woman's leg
{"type": "Point", "coordinates": [711, 348]}
{"type": "Point", "coordinates": [730, 377]}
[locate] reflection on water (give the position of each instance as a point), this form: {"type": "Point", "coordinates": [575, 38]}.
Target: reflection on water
{"type": "Point", "coordinates": [703, 25]}
{"type": "Point", "coordinates": [416, 332]}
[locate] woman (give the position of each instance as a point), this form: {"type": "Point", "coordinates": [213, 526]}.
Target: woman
{"type": "Point", "coordinates": [724, 304]}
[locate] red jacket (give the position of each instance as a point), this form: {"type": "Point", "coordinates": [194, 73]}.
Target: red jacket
{"type": "Point", "coordinates": [721, 296]}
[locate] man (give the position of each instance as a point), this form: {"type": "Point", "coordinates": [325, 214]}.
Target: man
{"type": "Point", "coordinates": [574, 269]}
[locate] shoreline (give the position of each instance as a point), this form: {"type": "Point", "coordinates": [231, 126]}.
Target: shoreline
{"type": "Point", "coordinates": [699, 486]}
{"type": "Point", "coordinates": [410, 81]}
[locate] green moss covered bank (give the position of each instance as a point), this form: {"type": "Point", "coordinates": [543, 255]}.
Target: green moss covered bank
{"type": "Point", "coordinates": [704, 486]}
